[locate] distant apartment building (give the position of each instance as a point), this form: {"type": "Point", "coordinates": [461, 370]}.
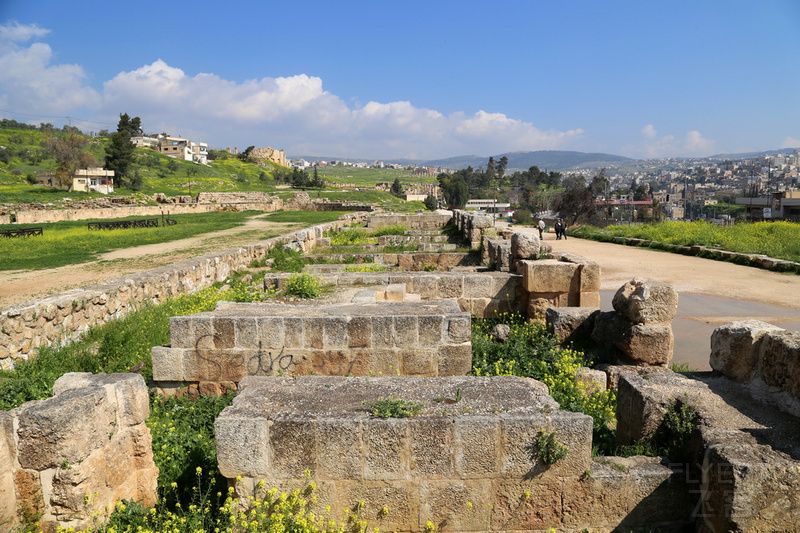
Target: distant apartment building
{"type": "Point", "coordinates": [184, 149]}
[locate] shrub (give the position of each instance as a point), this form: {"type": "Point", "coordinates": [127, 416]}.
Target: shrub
{"type": "Point", "coordinates": [390, 407]}
{"type": "Point", "coordinates": [303, 286]}
{"type": "Point", "coordinates": [547, 449]}
{"type": "Point", "coordinates": [286, 259]}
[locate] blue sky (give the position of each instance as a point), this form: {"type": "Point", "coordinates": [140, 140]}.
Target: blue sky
{"type": "Point", "coordinates": [418, 79]}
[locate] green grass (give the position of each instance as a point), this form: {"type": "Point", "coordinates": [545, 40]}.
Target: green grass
{"type": "Point", "coordinates": [780, 240]}
{"type": "Point", "coordinates": [308, 217]}
{"type": "Point", "coordinates": [368, 177]}
{"type": "Point", "coordinates": [65, 243]}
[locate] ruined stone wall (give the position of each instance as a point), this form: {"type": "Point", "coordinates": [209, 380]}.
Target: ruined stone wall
{"type": "Point", "coordinates": [482, 294]}
{"type": "Point", "coordinates": [422, 221]}
{"type": "Point", "coordinates": [253, 197]}
{"type": "Point", "coordinates": [472, 225]}
{"type": "Point", "coordinates": [466, 462]}
{"type": "Point", "coordinates": [213, 351]}
{"type": "Point", "coordinates": [566, 280]}
{"type": "Point", "coordinates": [25, 327]}
{"type": "Point", "coordinates": [78, 452]}
{"type": "Point", "coordinates": [59, 215]}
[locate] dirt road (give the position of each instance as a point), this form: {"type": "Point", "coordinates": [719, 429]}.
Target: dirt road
{"type": "Point", "coordinates": [23, 285]}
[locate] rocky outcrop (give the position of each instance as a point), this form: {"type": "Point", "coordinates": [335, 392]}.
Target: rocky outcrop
{"type": "Point", "coordinates": [77, 452]}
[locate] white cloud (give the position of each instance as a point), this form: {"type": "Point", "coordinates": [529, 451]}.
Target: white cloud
{"type": "Point", "coordinates": [29, 82]}
{"type": "Point", "coordinates": [295, 112]}
{"type": "Point", "coordinates": [653, 146]}
{"type": "Point", "coordinates": [790, 142]}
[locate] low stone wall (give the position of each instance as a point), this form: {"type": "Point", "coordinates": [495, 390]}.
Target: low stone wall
{"type": "Point", "coordinates": [60, 215]}
{"type": "Point", "coordinates": [466, 462]}
{"type": "Point", "coordinates": [423, 221]}
{"type": "Point", "coordinates": [78, 452]}
{"type": "Point", "coordinates": [408, 260]}
{"type": "Point", "coordinates": [215, 350]}
{"type": "Point", "coordinates": [25, 327]}
{"type": "Point", "coordinates": [481, 294]}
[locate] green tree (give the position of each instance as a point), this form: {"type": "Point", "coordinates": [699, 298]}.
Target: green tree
{"type": "Point", "coordinates": [576, 202]}
{"type": "Point", "coordinates": [245, 156]}
{"type": "Point", "coordinates": [397, 189]}
{"type": "Point", "coordinates": [431, 203]}
{"type": "Point", "coordinates": [119, 152]}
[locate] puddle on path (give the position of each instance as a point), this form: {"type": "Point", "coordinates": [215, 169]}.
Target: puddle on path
{"type": "Point", "coordinates": [699, 315]}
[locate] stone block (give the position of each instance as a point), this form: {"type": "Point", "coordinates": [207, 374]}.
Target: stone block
{"type": "Point", "coordinates": [447, 503]}
{"type": "Point", "coordinates": [399, 498]}
{"type": "Point", "coordinates": [450, 286]}
{"type": "Point", "coordinates": [340, 454]}
{"type": "Point", "coordinates": [359, 332]}
{"type": "Point", "coordinates": [646, 301]}
{"type": "Point", "coordinates": [168, 363]}
{"type": "Point", "coordinates": [524, 505]}
{"type": "Point", "coordinates": [735, 347]}
{"type": "Point", "coordinates": [479, 286]}
{"type": "Point", "coordinates": [459, 329]}
{"type": "Point", "coordinates": [271, 332]}
{"type": "Point", "coordinates": [571, 324]}
{"type": "Point", "coordinates": [430, 330]}
{"type": "Point", "coordinates": [431, 443]}
{"type": "Point", "coordinates": [525, 245]}
{"type": "Point", "coordinates": [476, 452]}
{"type": "Point", "coordinates": [239, 456]}
{"type": "Point", "coordinates": [335, 332]}
{"type": "Point", "coordinates": [643, 344]}
{"type": "Point", "coordinates": [549, 276]}
{"type": "Point", "coordinates": [386, 448]}
{"type": "Point", "coordinates": [455, 360]}
{"type": "Point", "coordinates": [406, 331]}
{"type": "Point", "coordinates": [293, 446]}
{"type": "Point", "coordinates": [779, 361]}
{"type": "Point", "coordinates": [418, 362]}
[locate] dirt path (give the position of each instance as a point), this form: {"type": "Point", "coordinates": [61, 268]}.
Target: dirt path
{"type": "Point", "coordinates": [23, 285]}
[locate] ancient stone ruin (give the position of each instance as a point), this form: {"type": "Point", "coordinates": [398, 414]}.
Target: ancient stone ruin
{"type": "Point", "coordinates": [78, 452]}
{"type": "Point", "coordinates": [470, 447]}
{"type": "Point", "coordinates": [471, 459]}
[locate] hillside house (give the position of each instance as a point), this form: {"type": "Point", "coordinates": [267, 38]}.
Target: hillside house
{"type": "Point", "coordinates": [93, 179]}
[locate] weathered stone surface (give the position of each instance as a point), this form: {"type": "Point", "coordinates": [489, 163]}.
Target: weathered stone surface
{"type": "Point", "coordinates": [779, 361]}
{"type": "Point", "coordinates": [549, 275]}
{"type": "Point", "coordinates": [238, 340]}
{"type": "Point", "coordinates": [90, 438]}
{"type": "Point", "coordinates": [646, 301]}
{"type": "Point", "coordinates": [571, 324]}
{"type": "Point", "coordinates": [735, 347]}
{"type": "Point", "coordinates": [635, 344]}
{"type": "Point", "coordinates": [525, 245]}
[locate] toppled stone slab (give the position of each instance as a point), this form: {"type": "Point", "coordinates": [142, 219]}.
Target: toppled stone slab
{"type": "Point", "coordinates": [223, 346]}
{"type": "Point", "coordinates": [472, 441]}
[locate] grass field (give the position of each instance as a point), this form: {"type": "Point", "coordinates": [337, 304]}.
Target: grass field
{"type": "Point", "coordinates": [780, 240]}
{"type": "Point", "coordinates": [65, 243]}
{"type": "Point", "coordinates": [369, 176]}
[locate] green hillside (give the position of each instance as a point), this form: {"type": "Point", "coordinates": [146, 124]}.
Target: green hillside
{"type": "Point", "coordinates": [23, 153]}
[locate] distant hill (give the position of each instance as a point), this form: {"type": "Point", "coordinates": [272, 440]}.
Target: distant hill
{"type": "Point", "coordinates": [544, 159]}
{"type": "Point", "coordinates": [749, 155]}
